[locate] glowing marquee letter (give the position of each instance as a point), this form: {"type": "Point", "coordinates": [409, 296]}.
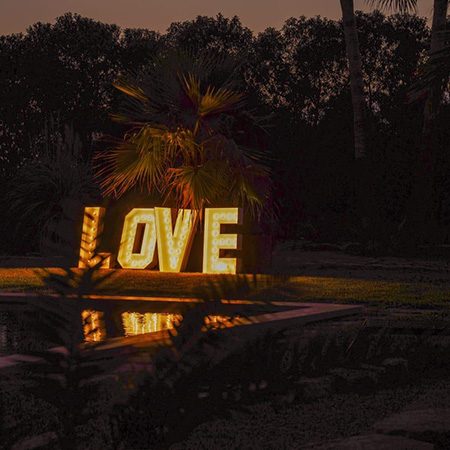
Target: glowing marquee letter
{"type": "Point", "coordinates": [214, 241]}
{"type": "Point", "coordinates": [92, 228]}
{"type": "Point", "coordinates": [174, 244]}
{"type": "Point", "coordinates": [131, 254]}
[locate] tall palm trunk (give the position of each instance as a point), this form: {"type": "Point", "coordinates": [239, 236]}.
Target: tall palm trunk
{"type": "Point", "coordinates": [435, 91]}
{"type": "Point", "coordinates": [420, 211]}
{"type": "Point", "coordinates": [356, 78]}
{"type": "Point", "coordinates": [367, 211]}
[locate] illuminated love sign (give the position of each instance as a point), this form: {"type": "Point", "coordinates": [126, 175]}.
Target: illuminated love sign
{"type": "Point", "coordinates": [149, 237]}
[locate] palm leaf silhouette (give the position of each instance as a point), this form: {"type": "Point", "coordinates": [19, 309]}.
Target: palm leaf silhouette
{"type": "Point", "coordinates": [185, 116]}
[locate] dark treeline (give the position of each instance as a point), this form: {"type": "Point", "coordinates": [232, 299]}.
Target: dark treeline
{"type": "Point", "coordinates": [59, 77]}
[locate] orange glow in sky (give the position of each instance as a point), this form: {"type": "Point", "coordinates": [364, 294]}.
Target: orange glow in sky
{"type": "Point", "coordinates": [17, 15]}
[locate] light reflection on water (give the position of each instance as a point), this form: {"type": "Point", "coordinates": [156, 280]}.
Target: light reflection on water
{"type": "Point", "coordinates": [134, 323]}
{"type": "Point", "coordinates": [93, 326]}
{"type": "Point", "coordinates": [16, 336]}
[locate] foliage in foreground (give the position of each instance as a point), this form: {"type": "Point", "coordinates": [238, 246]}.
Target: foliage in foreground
{"type": "Point", "coordinates": [62, 375]}
{"type": "Point", "coordinates": [78, 384]}
{"type": "Point", "coordinates": [86, 398]}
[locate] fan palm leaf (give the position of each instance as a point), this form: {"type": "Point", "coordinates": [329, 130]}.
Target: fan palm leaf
{"type": "Point", "coordinates": [198, 186]}
{"type": "Point", "coordinates": [184, 115]}
{"type": "Point", "coordinates": [191, 85]}
{"type": "Point", "coordinates": [402, 6]}
{"type": "Point", "coordinates": [132, 162]}
{"type": "Point", "coordinates": [130, 90]}
{"type": "Point", "coordinates": [213, 101]}
{"type": "Point", "coordinates": [218, 100]}
{"type": "Point", "coordinates": [250, 186]}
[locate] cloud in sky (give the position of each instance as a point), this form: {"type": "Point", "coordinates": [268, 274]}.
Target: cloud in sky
{"type": "Point", "coordinates": [17, 15]}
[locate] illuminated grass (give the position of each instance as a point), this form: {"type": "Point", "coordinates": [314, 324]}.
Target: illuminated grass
{"type": "Point", "coordinates": [299, 288]}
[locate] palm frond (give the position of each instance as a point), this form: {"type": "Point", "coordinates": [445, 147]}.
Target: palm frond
{"type": "Point", "coordinates": [130, 90]}
{"type": "Point", "coordinates": [197, 186]}
{"type": "Point", "coordinates": [61, 371]}
{"type": "Point", "coordinates": [218, 100]}
{"type": "Point", "coordinates": [45, 190]}
{"type": "Point", "coordinates": [403, 6]}
{"type": "Point", "coordinates": [213, 101]}
{"type": "Point", "coordinates": [182, 142]}
{"type": "Point", "coordinates": [133, 162]}
{"type": "Point", "coordinates": [251, 188]}
{"type": "Point", "coordinates": [184, 112]}
{"type": "Point", "coordinates": [191, 85]}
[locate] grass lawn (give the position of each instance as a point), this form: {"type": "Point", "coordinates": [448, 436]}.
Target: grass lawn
{"type": "Point", "coordinates": [334, 288]}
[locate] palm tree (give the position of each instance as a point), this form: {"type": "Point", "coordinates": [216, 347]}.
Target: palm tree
{"type": "Point", "coordinates": [362, 172]}
{"type": "Point", "coordinates": [431, 86]}
{"type": "Point", "coordinates": [435, 87]}
{"type": "Point", "coordinates": [432, 83]}
{"type": "Point", "coordinates": [48, 192]}
{"type": "Point", "coordinates": [355, 68]}
{"type": "Point", "coordinates": [189, 135]}
{"type": "Point", "coordinates": [356, 77]}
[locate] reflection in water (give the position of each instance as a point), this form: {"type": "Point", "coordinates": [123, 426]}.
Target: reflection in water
{"type": "Point", "coordinates": [137, 323]}
{"type": "Point", "coordinates": [93, 327]}
{"type": "Point", "coordinates": [218, 322]}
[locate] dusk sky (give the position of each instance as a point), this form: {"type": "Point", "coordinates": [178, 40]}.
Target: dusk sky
{"type": "Point", "coordinates": [17, 15]}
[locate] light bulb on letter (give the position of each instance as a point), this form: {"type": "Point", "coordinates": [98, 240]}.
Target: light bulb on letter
{"type": "Point", "coordinates": [146, 256]}
{"type": "Point", "coordinates": [214, 241]}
